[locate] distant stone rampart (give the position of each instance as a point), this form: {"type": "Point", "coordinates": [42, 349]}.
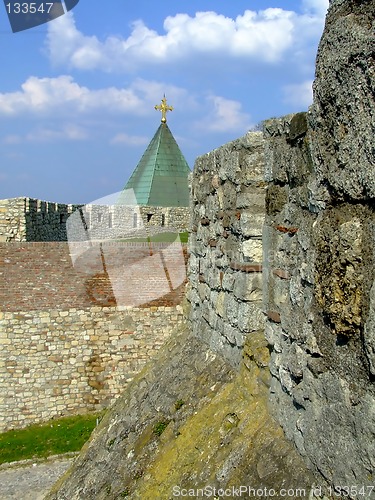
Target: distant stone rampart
{"type": "Point", "coordinates": [29, 219]}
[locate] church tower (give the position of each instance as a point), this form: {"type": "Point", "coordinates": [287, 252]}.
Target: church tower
{"type": "Point", "coordinates": [161, 178]}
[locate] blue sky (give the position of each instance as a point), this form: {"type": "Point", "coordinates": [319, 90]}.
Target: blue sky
{"type": "Point", "coordinates": [77, 94]}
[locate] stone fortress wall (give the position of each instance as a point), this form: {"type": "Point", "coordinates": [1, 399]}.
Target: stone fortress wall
{"type": "Point", "coordinates": [320, 229]}
{"type": "Point", "coordinates": [72, 336]}
{"type": "Point", "coordinates": [57, 362]}
{"type": "Point", "coordinates": [319, 306]}
{"type": "Point", "coordinates": [225, 245]}
{"type": "Point", "coordinates": [318, 255]}
{"type": "Point", "coordinates": [313, 289]}
{"type": "Point", "coordinates": [312, 292]}
{"type": "Point", "coordinates": [70, 340]}
{"type": "Point", "coordinates": [29, 219]}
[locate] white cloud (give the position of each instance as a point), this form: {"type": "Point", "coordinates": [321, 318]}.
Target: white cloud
{"type": "Point", "coordinates": [265, 35]}
{"type": "Point", "coordinates": [45, 95]}
{"type": "Point", "coordinates": [299, 95]}
{"type": "Point", "coordinates": [129, 140]}
{"type": "Point", "coordinates": [62, 95]}
{"type": "Point", "coordinates": [12, 139]}
{"type": "Point", "coordinates": [74, 112]}
{"type": "Point", "coordinates": [225, 115]}
{"type": "Point", "coordinates": [71, 132]}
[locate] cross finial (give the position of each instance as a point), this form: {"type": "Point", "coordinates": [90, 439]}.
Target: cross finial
{"type": "Point", "coordinates": [164, 108]}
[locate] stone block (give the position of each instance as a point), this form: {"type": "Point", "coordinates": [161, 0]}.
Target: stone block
{"type": "Point", "coordinates": [248, 286]}
{"type": "Point", "coordinates": [250, 317]}
{"type": "Point", "coordinates": [253, 250]}
{"type": "Point", "coordinates": [276, 198]}
{"type": "Point", "coordinates": [251, 224]}
{"type": "Point", "coordinates": [228, 281]}
{"type": "Point", "coordinates": [220, 305]}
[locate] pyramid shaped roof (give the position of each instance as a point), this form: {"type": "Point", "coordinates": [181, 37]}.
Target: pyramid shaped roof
{"type": "Point", "coordinates": [161, 177]}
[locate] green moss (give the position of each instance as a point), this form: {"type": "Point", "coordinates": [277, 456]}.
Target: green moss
{"type": "Point", "coordinates": [179, 404]}
{"type": "Point", "coordinates": [160, 427]}
{"type": "Point", "coordinates": [205, 434]}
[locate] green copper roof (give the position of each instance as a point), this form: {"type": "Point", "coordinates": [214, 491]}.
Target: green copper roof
{"type": "Point", "coordinates": [161, 177]}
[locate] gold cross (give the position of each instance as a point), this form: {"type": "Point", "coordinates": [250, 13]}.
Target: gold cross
{"type": "Point", "coordinates": [164, 108]}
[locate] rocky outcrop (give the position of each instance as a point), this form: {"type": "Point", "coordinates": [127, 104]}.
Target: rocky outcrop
{"type": "Point", "coordinates": [320, 233]}
{"type": "Point", "coordinates": [343, 115]}
{"type": "Point", "coordinates": [189, 422]}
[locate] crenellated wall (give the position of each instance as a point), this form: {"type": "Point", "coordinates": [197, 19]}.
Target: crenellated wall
{"type": "Point", "coordinates": [29, 219]}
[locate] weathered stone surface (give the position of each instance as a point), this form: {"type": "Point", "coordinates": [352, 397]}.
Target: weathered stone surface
{"type": "Point", "coordinates": [319, 299]}
{"type": "Point", "coordinates": [226, 249]}
{"type": "Point", "coordinates": [320, 325]}
{"type": "Point", "coordinates": [342, 116]}
{"type": "Point", "coordinates": [189, 421]}
{"type": "Point", "coordinates": [91, 353]}
{"type": "Point", "coordinates": [339, 267]}
{"type": "Point", "coordinates": [369, 331]}
{"type": "Point", "coordinates": [253, 250]}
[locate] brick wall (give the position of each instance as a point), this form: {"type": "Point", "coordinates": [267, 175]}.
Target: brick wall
{"type": "Point", "coordinates": [40, 276]}
{"type": "Point", "coordinates": [71, 337]}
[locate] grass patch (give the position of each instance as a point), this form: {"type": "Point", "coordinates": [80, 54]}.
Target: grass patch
{"type": "Point", "coordinates": [184, 237]}
{"type": "Point", "coordinates": [51, 438]}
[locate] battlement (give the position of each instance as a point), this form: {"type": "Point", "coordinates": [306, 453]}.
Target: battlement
{"type": "Point", "coordinates": [30, 219]}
